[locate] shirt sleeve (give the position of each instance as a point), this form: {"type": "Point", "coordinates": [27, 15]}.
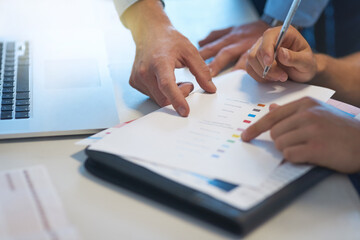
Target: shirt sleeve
{"type": "Point", "coordinates": [306, 15]}
{"type": "Point", "coordinates": [122, 5]}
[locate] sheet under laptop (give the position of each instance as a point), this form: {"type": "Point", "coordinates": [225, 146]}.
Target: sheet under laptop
{"type": "Point", "coordinates": [30, 207]}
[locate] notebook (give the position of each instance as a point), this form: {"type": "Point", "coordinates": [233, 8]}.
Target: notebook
{"type": "Point", "coordinates": [125, 155]}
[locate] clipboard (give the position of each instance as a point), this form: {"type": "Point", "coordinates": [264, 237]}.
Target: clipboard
{"type": "Point", "coordinates": [147, 183]}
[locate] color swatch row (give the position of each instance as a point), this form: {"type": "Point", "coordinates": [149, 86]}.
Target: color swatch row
{"type": "Point", "coordinates": [237, 135]}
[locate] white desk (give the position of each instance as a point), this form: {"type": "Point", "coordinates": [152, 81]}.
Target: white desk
{"type": "Point", "coordinates": [99, 210]}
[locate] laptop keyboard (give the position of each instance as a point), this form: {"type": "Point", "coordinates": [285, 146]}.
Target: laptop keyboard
{"type": "Point", "coordinates": [14, 80]}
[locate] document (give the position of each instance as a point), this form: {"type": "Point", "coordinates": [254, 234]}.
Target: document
{"type": "Point", "coordinates": [30, 207]}
{"type": "Point", "coordinates": [208, 141]}
{"type": "Point", "coordinates": [240, 196]}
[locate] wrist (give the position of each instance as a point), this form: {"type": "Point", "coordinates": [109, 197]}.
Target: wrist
{"type": "Point", "coordinates": [270, 21]}
{"type": "Point", "coordinates": [144, 16]}
{"type": "Point", "coordinates": [321, 66]}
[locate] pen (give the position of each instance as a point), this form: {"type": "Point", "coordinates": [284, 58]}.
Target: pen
{"type": "Point", "coordinates": [295, 4]}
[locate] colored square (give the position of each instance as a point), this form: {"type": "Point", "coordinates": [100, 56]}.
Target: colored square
{"type": "Point", "coordinates": [256, 110]}
{"type": "Point", "coordinates": [261, 105]}
{"type": "Point", "coordinates": [235, 136]}
{"type": "Point", "coordinates": [215, 156]}
{"type": "Point", "coordinates": [247, 121]}
{"type": "Point", "coordinates": [252, 115]}
{"type": "Point", "coordinates": [220, 150]}
{"type": "Point", "coordinates": [225, 146]}
{"type": "Point", "coordinates": [241, 129]}
{"type": "Point", "coordinates": [230, 141]}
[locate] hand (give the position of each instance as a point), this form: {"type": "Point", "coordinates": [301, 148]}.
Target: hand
{"type": "Point", "coordinates": [295, 59]}
{"type": "Point", "coordinates": [308, 131]}
{"type": "Point", "coordinates": [230, 44]}
{"type": "Point", "coordinates": [159, 50]}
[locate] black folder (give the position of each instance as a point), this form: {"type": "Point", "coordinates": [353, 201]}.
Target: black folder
{"type": "Point", "coordinates": [161, 189]}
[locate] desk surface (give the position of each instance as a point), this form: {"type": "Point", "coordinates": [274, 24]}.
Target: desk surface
{"type": "Point", "coordinates": [99, 210]}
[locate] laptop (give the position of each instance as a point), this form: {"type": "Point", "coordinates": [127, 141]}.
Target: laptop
{"type": "Point", "coordinates": [54, 75]}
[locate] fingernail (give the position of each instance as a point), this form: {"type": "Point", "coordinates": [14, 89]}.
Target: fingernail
{"type": "Point", "coordinates": [283, 77]}
{"type": "Point", "coordinates": [267, 60]}
{"type": "Point", "coordinates": [244, 136]}
{"type": "Point", "coordinates": [271, 79]}
{"type": "Point", "coordinates": [182, 111]}
{"type": "Point", "coordinates": [212, 84]}
{"type": "Point", "coordinates": [285, 53]}
{"type": "Point", "coordinates": [273, 106]}
{"type": "Point", "coordinates": [212, 73]}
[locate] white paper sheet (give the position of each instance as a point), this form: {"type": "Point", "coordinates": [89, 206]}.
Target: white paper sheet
{"type": "Point", "coordinates": [239, 196]}
{"type": "Point", "coordinates": [30, 207]}
{"type": "Point", "coordinates": [208, 141]}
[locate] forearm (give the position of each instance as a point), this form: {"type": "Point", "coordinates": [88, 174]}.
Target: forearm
{"type": "Point", "coordinates": [143, 16]}
{"type": "Point", "coordinates": [341, 75]}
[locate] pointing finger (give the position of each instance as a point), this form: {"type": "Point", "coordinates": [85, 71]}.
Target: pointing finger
{"type": "Point", "coordinates": [167, 85]}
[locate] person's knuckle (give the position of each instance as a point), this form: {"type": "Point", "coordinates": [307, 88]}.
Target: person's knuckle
{"type": "Point", "coordinates": [191, 50]}
{"type": "Point", "coordinates": [250, 70]}
{"type": "Point", "coordinates": [226, 51]}
{"type": "Point", "coordinates": [230, 38]}
{"type": "Point", "coordinates": [260, 53]}
{"type": "Point", "coordinates": [257, 128]}
{"type": "Point", "coordinates": [132, 82]}
{"type": "Point", "coordinates": [204, 71]}
{"type": "Point", "coordinates": [251, 59]}
{"type": "Point", "coordinates": [314, 148]}
{"type": "Point", "coordinates": [157, 60]}
{"type": "Point", "coordinates": [307, 103]}
{"type": "Point", "coordinates": [268, 31]}
{"type": "Point", "coordinates": [289, 155]}
{"type": "Point", "coordinates": [209, 48]}
{"type": "Point", "coordinates": [162, 101]}
{"type": "Point", "coordinates": [307, 117]}
{"type": "Point", "coordinates": [158, 64]}
{"type": "Point", "coordinates": [279, 143]}
{"type": "Point", "coordinates": [273, 133]}
{"type": "Point", "coordinates": [142, 71]}
{"type": "Point", "coordinates": [307, 100]}
{"type": "Point", "coordinates": [271, 117]}
{"type": "Point", "coordinates": [316, 127]}
{"type": "Point", "coordinates": [248, 66]}
{"type": "Point", "coordinates": [290, 59]}
{"type": "Point", "coordinates": [163, 84]}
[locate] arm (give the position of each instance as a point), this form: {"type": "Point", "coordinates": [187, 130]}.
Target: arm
{"type": "Point", "coordinates": [295, 60]}
{"type": "Point", "coordinates": [342, 75]}
{"type": "Point", "coordinates": [159, 50]}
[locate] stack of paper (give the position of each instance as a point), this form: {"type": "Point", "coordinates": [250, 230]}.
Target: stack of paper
{"type": "Point", "coordinates": [206, 146]}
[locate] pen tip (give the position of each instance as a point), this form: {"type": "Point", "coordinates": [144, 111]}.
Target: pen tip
{"type": "Point", "coordinates": [266, 70]}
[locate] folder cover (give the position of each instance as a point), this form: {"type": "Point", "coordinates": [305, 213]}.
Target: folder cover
{"type": "Point", "coordinates": [142, 181]}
